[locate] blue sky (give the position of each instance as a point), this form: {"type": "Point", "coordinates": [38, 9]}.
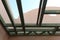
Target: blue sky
{"type": "Point", "coordinates": [14, 8]}
{"type": "Point", "coordinates": [28, 5]}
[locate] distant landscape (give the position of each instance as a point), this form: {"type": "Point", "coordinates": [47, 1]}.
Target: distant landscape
{"type": "Point", "coordinates": [31, 16]}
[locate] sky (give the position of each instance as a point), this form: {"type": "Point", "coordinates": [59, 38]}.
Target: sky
{"type": "Point", "coordinates": [28, 5]}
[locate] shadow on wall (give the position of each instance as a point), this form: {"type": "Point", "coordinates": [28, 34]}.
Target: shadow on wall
{"type": "Point", "coordinates": [3, 34]}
